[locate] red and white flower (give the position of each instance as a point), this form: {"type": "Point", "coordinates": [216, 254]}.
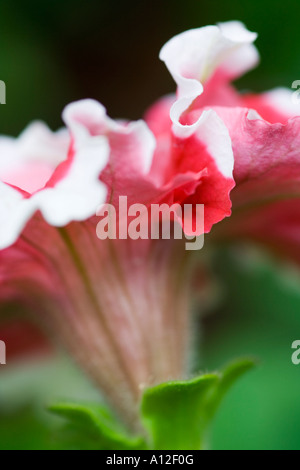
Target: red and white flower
{"type": "Point", "coordinates": [121, 306]}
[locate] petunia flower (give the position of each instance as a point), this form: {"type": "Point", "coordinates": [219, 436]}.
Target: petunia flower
{"type": "Point", "coordinates": [121, 306]}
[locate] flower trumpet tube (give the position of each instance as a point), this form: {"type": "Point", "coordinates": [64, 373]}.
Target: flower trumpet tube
{"type": "Point", "coordinates": [119, 306]}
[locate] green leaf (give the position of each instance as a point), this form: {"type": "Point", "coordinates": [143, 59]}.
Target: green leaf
{"type": "Point", "coordinates": [178, 414]}
{"type": "Point", "coordinates": [93, 426]}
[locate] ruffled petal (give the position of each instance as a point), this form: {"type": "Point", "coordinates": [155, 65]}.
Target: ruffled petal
{"type": "Point", "coordinates": [276, 105]}
{"type": "Point", "coordinates": [267, 157]}
{"type": "Point", "coordinates": [194, 169]}
{"type": "Point", "coordinates": [266, 199]}
{"type": "Point", "coordinates": [72, 192]}
{"type": "Point", "coordinates": [194, 56]}
{"type": "Point", "coordinates": [29, 161]}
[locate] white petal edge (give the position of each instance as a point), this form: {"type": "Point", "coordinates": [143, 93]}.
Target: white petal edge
{"type": "Point", "coordinates": [36, 143]}
{"type": "Point", "coordinates": [195, 55]}
{"type": "Point", "coordinates": [90, 114]}
{"type": "Point", "coordinates": [212, 131]}
{"type": "Point", "coordinates": [284, 100]}
{"type": "Point", "coordinates": [75, 197]}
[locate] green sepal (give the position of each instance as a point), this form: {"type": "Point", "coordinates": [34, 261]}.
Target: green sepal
{"type": "Point", "coordinates": [94, 426]}
{"type": "Point", "coordinates": [177, 415]}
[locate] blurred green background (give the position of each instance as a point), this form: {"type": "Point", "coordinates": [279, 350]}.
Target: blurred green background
{"type": "Point", "coordinates": [54, 52]}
